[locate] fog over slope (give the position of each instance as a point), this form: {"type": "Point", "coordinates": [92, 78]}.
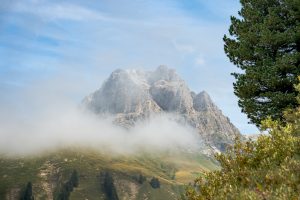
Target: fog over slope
{"type": "Point", "coordinates": [43, 120]}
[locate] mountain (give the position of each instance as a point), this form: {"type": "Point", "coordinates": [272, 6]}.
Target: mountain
{"type": "Point", "coordinates": [84, 172]}
{"type": "Point", "coordinates": [133, 95]}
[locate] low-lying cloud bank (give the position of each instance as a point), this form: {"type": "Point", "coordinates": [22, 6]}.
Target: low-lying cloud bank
{"type": "Point", "coordinates": [46, 116]}
{"type": "Point", "coordinates": [71, 127]}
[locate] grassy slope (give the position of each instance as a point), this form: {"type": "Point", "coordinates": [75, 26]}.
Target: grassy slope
{"type": "Point", "coordinates": [47, 171]}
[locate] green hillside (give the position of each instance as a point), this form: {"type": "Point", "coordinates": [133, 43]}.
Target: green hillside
{"type": "Point", "coordinates": [130, 174]}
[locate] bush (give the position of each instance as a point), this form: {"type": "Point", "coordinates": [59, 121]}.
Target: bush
{"type": "Point", "coordinates": [155, 183]}
{"type": "Point", "coordinates": [268, 168]}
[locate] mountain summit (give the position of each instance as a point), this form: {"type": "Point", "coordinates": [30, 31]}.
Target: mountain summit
{"type": "Point", "coordinates": [132, 95]}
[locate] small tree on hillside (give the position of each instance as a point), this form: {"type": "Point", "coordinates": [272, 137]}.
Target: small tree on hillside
{"type": "Point", "coordinates": [68, 186]}
{"type": "Point", "coordinates": [27, 194]}
{"type": "Point", "coordinates": [74, 178]}
{"type": "Point", "coordinates": [141, 179]}
{"type": "Point", "coordinates": [109, 187]}
{"type": "Point", "coordinates": [155, 183]}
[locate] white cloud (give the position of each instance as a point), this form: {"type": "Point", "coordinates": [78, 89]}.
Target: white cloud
{"type": "Point", "coordinates": [199, 61]}
{"type": "Point", "coordinates": [54, 11]}
{"type": "Point", "coordinates": [44, 116]}
{"type": "Point", "coordinates": [65, 126]}
{"type": "Point", "coordinates": [186, 48]}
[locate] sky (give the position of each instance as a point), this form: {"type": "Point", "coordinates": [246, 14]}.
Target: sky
{"type": "Point", "coordinates": [66, 49]}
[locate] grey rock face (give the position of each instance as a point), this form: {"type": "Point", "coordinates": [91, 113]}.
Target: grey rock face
{"type": "Point", "coordinates": [133, 95]}
{"type": "Point", "coordinates": [125, 91]}
{"type": "Point", "coordinates": [172, 96]}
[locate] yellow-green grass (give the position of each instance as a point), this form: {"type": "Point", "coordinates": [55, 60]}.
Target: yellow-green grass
{"type": "Point", "coordinates": [173, 169]}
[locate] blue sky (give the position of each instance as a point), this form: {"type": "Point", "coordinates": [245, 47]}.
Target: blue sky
{"type": "Point", "coordinates": [67, 48]}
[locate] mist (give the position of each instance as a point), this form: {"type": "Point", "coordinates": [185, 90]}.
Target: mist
{"type": "Point", "coordinates": [42, 118]}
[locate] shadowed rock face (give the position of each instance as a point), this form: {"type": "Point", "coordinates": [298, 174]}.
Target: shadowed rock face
{"type": "Point", "coordinates": [133, 95]}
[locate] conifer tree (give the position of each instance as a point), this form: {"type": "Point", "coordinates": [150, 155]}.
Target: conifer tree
{"type": "Point", "coordinates": [28, 195]}
{"type": "Point", "coordinates": [264, 42]}
{"type": "Point", "coordinates": [74, 178]}
{"type": "Point", "coordinates": [109, 187]}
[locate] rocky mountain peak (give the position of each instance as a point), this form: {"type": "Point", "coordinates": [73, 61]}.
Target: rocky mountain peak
{"type": "Point", "coordinates": [125, 91]}
{"type": "Point", "coordinates": [133, 95]}
{"type": "Point", "coordinates": [131, 75]}
{"type": "Point", "coordinates": [163, 73]}
{"type": "Point", "coordinates": [203, 102]}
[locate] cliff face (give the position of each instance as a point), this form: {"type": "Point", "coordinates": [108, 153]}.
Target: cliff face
{"type": "Point", "coordinates": [132, 95]}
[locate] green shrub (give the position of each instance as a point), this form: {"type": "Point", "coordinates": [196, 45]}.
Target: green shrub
{"type": "Point", "coordinates": [268, 168]}
{"type": "Point", "coordinates": [155, 183]}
